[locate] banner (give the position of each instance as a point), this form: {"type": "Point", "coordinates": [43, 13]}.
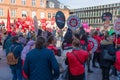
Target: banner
{"type": "Point", "coordinates": [107, 16]}
{"type": "Point", "coordinates": [92, 44]}
{"type": "Point", "coordinates": [73, 22]}
{"type": "Point", "coordinates": [60, 19]}
{"type": "Point", "coordinates": [117, 26]}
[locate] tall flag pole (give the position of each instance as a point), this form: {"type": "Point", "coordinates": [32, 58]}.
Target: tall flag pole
{"type": "Point", "coordinates": [8, 21]}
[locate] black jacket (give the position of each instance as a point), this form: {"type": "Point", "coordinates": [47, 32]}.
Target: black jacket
{"type": "Point", "coordinates": [107, 45]}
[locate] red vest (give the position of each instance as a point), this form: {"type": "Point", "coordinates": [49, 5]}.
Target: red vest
{"type": "Point", "coordinates": [117, 62]}
{"type": "Point", "coordinates": [75, 67]}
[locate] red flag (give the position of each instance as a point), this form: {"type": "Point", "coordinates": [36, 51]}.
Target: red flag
{"type": "Point", "coordinates": [8, 22]}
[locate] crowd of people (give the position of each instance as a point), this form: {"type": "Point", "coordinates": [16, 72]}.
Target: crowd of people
{"type": "Point", "coordinates": [36, 57]}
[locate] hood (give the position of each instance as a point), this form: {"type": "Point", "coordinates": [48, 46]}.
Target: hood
{"type": "Point", "coordinates": [31, 43]}
{"type": "Point", "coordinates": [105, 42]}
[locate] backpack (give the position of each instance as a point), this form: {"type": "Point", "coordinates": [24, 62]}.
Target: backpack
{"type": "Point", "coordinates": [11, 60]}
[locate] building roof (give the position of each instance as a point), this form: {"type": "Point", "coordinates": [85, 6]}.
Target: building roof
{"type": "Point", "coordinates": [56, 4]}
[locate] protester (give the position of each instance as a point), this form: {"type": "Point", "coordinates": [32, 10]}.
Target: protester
{"type": "Point", "coordinates": [84, 42]}
{"type": "Point", "coordinates": [40, 62]}
{"type": "Point", "coordinates": [97, 52]}
{"type": "Point", "coordinates": [4, 35]}
{"type": "Point", "coordinates": [108, 49]}
{"type": "Point", "coordinates": [75, 61]}
{"type": "Point", "coordinates": [90, 55]}
{"type": "Point", "coordinates": [116, 44]}
{"type": "Point", "coordinates": [51, 45]}
{"type": "Point", "coordinates": [7, 37]}
{"type": "Point", "coordinates": [84, 45]}
{"type": "Point", "coordinates": [25, 50]}
{"type": "Point", "coordinates": [68, 38]}
{"type": "Point", "coordinates": [22, 39]}
{"type": "Point", "coordinates": [117, 64]}
{"type": "Point", "coordinates": [81, 31]}
{"type": "Point", "coordinates": [8, 42]}
{"type": "Point", "coordinates": [54, 31]}
{"type": "Point", "coordinates": [16, 69]}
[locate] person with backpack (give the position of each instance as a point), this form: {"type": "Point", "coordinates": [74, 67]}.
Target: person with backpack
{"type": "Point", "coordinates": [7, 42]}
{"type": "Point", "coordinates": [75, 61]}
{"type": "Point", "coordinates": [14, 59]}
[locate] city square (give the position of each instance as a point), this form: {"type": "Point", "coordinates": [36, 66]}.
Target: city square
{"type": "Point", "coordinates": [59, 40]}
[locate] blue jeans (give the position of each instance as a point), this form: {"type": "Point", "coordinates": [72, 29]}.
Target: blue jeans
{"type": "Point", "coordinates": [17, 74]}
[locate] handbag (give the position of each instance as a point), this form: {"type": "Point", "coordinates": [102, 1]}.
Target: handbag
{"type": "Point", "coordinates": [107, 56]}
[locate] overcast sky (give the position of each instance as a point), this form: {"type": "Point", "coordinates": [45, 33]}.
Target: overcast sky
{"type": "Point", "coordinates": [86, 3]}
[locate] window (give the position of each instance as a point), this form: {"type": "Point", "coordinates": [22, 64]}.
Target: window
{"type": "Point", "coordinates": [1, 12]}
{"type": "Point", "coordinates": [1, 1]}
{"type": "Point", "coordinates": [23, 2]}
{"type": "Point", "coordinates": [33, 3]}
{"type": "Point", "coordinates": [13, 1]}
{"type": "Point", "coordinates": [51, 4]}
{"type": "Point", "coordinates": [13, 13]}
{"type": "Point", "coordinates": [33, 14]}
{"type": "Point", "coordinates": [24, 13]}
{"type": "Point", "coordinates": [49, 15]}
{"type": "Point", "coordinates": [61, 6]}
{"type": "Point", "coordinates": [42, 3]}
{"type": "Point", "coordinates": [42, 15]}
{"type": "Point", "coordinates": [53, 15]}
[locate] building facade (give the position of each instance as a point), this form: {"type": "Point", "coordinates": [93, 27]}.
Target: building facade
{"type": "Point", "coordinates": [22, 8]}
{"type": "Point", "coordinates": [92, 15]}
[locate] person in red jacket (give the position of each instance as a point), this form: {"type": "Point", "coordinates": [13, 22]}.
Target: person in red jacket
{"type": "Point", "coordinates": [117, 64]}
{"type": "Point", "coordinates": [97, 52]}
{"type": "Point", "coordinates": [51, 46]}
{"type": "Point", "coordinates": [75, 60]}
